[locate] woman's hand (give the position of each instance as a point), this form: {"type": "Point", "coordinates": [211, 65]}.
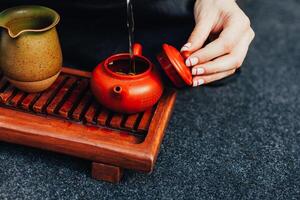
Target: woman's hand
{"type": "Point", "coordinates": [221, 57]}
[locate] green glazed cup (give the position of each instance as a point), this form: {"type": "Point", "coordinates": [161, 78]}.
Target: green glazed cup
{"type": "Point", "coordinates": [30, 52]}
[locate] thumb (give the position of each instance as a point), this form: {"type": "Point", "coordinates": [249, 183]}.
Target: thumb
{"type": "Point", "coordinates": [198, 36]}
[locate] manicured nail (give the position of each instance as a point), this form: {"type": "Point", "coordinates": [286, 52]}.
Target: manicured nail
{"type": "Point", "coordinates": [197, 71]}
{"type": "Point", "coordinates": [194, 71]}
{"type": "Point", "coordinates": [195, 83]}
{"type": "Point", "coordinates": [200, 71]}
{"type": "Point", "coordinates": [198, 82]}
{"type": "Point", "coordinates": [186, 47]}
{"type": "Point", "coordinates": [191, 61]}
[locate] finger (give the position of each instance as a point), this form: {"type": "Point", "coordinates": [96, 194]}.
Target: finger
{"type": "Point", "coordinates": [198, 36]}
{"type": "Point", "coordinates": [200, 80]}
{"type": "Point", "coordinates": [229, 61]}
{"type": "Point", "coordinates": [220, 64]}
{"type": "Point", "coordinates": [227, 40]}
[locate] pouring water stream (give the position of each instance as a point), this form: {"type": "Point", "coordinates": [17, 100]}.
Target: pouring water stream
{"type": "Point", "coordinates": [130, 26]}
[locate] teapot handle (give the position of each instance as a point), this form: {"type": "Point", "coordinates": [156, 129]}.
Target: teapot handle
{"type": "Point", "coordinates": [137, 49]}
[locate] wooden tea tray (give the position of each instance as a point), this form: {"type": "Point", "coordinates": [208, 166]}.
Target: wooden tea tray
{"type": "Point", "coordinates": [66, 119]}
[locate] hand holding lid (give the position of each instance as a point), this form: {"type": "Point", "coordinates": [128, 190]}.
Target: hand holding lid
{"type": "Point", "coordinates": [172, 62]}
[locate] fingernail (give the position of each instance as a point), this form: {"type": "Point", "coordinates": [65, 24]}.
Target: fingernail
{"type": "Point", "coordinates": [191, 61]}
{"type": "Point", "coordinates": [194, 71]}
{"type": "Point", "coordinates": [198, 82]}
{"type": "Point", "coordinates": [186, 47]}
{"type": "Point", "coordinates": [200, 71]}
{"type": "Point", "coordinates": [195, 83]}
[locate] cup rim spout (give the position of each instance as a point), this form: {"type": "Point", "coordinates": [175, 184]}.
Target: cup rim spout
{"type": "Point", "coordinates": [18, 12]}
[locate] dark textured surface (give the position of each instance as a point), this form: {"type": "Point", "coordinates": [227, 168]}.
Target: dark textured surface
{"type": "Point", "coordinates": [240, 140]}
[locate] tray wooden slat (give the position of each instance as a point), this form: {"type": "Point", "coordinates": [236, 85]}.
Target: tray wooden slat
{"type": "Point", "coordinates": [131, 121]}
{"type": "Point", "coordinates": [146, 120]}
{"type": "Point", "coordinates": [41, 103]}
{"type": "Point", "coordinates": [8, 92]}
{"type": "Point", "coordinates": [116, 120]}
{"type": "Point", "coordinates": [71, 101]}
{"type": "Point", "coordinates": [103, 116]}
{"type": "Point", "coordinates": [91, 112]}
{"type": "Point", "coordinates": [83, 104]}
{"type": "Point", "coordinates": [17, 98]}
{"type": "Point", "coordinates": [29, 100]}
{"type": "Point", "coordinates": [60, 95]}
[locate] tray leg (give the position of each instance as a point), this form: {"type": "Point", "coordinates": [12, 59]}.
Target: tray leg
{"type": "Point", "coordinates": [106, 172]}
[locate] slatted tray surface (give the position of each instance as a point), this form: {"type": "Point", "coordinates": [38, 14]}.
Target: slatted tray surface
{"type": "Point", "coordinates": [67, 119]}
{"type": "Point", "coordinates": [70, 98]}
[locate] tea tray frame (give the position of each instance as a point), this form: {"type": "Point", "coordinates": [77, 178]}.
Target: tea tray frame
{"type": "Point", "coordinates": [66, 119]}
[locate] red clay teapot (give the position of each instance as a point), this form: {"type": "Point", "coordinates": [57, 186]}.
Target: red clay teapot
{"type": "Point", "coordinates": [127, 92]}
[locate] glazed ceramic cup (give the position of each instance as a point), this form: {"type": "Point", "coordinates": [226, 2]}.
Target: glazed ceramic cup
{"type": "Point", "coordinates": [30, 55]}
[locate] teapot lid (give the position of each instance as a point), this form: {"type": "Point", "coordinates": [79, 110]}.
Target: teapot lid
{"type": "Point", "coordinates": [172, 62]}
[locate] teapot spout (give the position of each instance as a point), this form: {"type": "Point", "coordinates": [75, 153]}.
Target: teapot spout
{"type": "Point", "coordinates": [117, 90]}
